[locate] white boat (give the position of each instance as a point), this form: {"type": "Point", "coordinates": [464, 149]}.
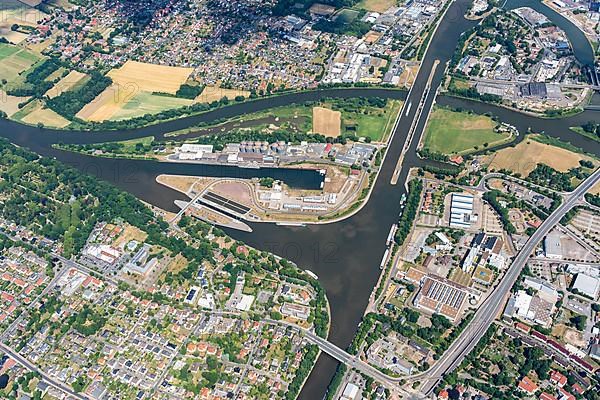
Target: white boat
{"type": "Point", "coordinates": [384, 259]}
{"type": "Point", "coordinates": [390, 237]}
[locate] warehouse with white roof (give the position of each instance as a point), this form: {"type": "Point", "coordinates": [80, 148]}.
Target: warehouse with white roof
{"type": "Point", "coordinates": [461, 210]}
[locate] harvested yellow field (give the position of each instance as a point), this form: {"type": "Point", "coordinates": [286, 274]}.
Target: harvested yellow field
{"type": "Point", "coordinates": [595, 189]}
{"type": "Point", "coordinates": [327, 122]}
{"type": "Point", "coordinates": [524, 157]}
{"type": "Point", "coordinates": [10, 104]}
{"type": "Point", "coordinates": [105, 105]}
{"type": "Point", "coordinates": [137, 76]}
{"type": "Point", "coordinates": [216, 93]}
{"type": "Point", "coordinates": [41, 115]}
{"type": "Point", "coordinates": [65, 84]}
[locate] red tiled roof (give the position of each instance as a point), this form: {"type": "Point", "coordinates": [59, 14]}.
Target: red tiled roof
{"type": "Point", "coordinates": [527, 385]}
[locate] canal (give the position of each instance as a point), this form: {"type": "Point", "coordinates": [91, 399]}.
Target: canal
{"type": "Point", "coordinates": [345, 255]}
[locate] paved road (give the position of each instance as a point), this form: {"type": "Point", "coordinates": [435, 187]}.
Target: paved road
{"type": "Point", "coordinates": [492, 306]}
{"type": "Point", "coordinates": [46, 378]}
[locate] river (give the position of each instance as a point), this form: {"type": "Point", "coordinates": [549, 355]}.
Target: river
{"type": "Point", "coordinates": [345, 255]}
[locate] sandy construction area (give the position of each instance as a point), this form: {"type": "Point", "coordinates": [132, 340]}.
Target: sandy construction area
{"type": "Point", "coordinates": [327, 122]}
{"type": "Point", "coordinates": [180, 183]}
{"type": "Point", "coordinates": [216, 93]}
{"type": "Point", "coordinates": [234, 190]}
{"type": "Point", "coordinates": [524, 157]}
{"type": "Point", "coordinates": [65, 84]}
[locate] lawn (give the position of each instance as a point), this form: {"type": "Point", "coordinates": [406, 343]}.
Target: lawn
{"type": "Point", "coordinates": [376, 123]}
{"type": "Point", "coordinates": [452, 132]}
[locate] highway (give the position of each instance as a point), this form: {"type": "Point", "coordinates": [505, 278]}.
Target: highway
{"type": "Point", "coordinates": [492, 306]}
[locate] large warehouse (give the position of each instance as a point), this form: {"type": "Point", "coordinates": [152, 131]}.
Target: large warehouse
{"type": "Point", "coordinates": [461, 210]}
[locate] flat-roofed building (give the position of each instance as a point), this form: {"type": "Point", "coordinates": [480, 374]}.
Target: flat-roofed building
{"type": "Point", "coordinates": [587, 285]}
{"type": "Point", "coordinates": [552, 245]}
{"type": "Point", "coordinates": [461, 210]}
{"type": "Point", "coordinates": [442, 296]}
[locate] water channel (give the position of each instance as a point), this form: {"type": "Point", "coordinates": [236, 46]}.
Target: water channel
{"type": "Point", "coordinates": [345, 255]}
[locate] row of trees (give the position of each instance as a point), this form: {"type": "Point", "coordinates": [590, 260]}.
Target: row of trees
{"type": "Point", "coordinates": [69, 103]}
{"type": "Point", "coordinates": [410, 210]}
{"type": "Point", "coordinates": [492, 198]}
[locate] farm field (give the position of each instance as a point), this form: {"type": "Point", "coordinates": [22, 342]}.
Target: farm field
{"type": "Point", "coordinates": [452, 132]}
{"type": "Point", "coordinates": [34, 113]}
{"type": "Point", "coordinates": [115, 104]}
{"type": "Point", "coordinates": [147, 103]}
{"type": "Point", "coordinates": [18, 12]}
{"type": "Point", "coordinates": [14, 60]}
{"type": "Point", "coordinates": [10, 104]}
{"type": "Point", "coordinates": [69, 82]}
{"type": "Point", "coordinates": [524, 157]}
{"type": "Point", "coordinates": [327, 122]}
{"type": "Point", "coordinates": [215, 93]}
{"type": "Point", "coordinates": [136, 76]}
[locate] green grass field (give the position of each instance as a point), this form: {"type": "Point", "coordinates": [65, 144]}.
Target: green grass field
{"type": "Point", "coordinates": [376, 123]}
{"type": "Point", "coordinates": [14, 60]}
{"type": "Point", "coordinates": [7, 50]}
{"type": "Point", "coordinates": [147, 103]}
{"type": "Point", "coordinates": [452, 132]}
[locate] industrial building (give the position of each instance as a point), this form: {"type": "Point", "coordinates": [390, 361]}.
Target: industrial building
{"type": "Point", "coordinates": [530, 308]}
{"type": "Point", "coordinates": [587, 285]}
{"type": "Point", "coordinates": [461, 211]}
{"type": "Point", "coordinates": [439, 295]}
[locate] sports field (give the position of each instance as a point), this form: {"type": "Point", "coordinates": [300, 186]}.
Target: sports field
{"type": "Point", "coordinates": [74, 78]}
{"type": "Point", "coordinates": [376, 5]}
{"type": "Point", "coordinates": [216, 93]}
{"type": "Point", "coordinates": [327, 122]}
{"type": "Point", "coordinates": [524, 157]}
{"type": "Point", "coordinates": [452, 132]}
{"type": "Point", "coordinates": [137, 76]}
{"type": "Point", "coordinates": [13, 60]}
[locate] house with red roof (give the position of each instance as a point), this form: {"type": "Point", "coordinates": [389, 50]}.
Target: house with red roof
{"type": "Point", "coordinates": [527, 385]}
{"type": "Point", "coordinates": [564, 395]}
{"type": "Point", "coordinates": [578, 389]}
{"type": "Point", "coordinates": [547, 396]}
{"type": "Point", "coordinates": [558, 379]}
